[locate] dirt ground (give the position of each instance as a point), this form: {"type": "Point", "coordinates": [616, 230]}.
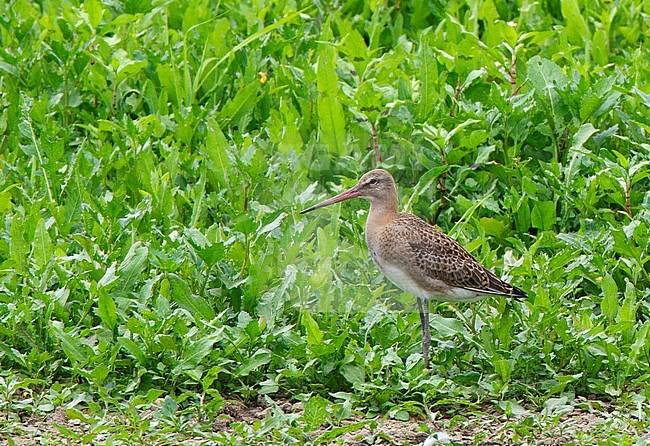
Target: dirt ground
{"type": "Point", "coordinates": [487, 428]}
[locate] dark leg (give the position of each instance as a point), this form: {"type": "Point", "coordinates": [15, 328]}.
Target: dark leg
{"type": "Point", "coordinates": [426, 335]}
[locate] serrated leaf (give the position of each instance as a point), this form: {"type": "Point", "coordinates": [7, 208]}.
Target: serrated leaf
{"type": "Point", "coordinates": [18, 246]}
{"type": "Point", "coordinates": [73, 202]}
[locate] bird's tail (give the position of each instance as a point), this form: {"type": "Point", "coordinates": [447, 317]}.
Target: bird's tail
{"type": "Point", "coordinates": [518, 293]}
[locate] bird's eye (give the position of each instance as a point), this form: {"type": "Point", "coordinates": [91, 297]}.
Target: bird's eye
{"type": "Point", "coordinates": [373, 181]}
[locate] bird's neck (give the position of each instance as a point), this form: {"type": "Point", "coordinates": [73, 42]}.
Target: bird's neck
{"type": "Point", "coordinates": [384, 211]}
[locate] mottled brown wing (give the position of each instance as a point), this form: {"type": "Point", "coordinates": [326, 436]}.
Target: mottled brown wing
{"type": "Point", "coordinates": [442, 258]}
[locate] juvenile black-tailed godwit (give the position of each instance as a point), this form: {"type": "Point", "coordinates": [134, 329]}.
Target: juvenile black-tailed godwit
{"type": "Point", "coordinates": [417, 257]}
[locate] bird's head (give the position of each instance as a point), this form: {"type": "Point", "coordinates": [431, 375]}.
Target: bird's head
{"type": "Point", "coordinates": [376, 185]}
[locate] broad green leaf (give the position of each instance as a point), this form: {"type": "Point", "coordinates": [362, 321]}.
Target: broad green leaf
{"type": "Point", "coordinates": [260, 357]}
{"type": "Point", "coordinates": [73, 201]}
{"type": "Point", "coordinates": [354, 374]}
{"type": "Point", "coordinates": [42, 250]}
{"type": "Point", "coordinates": [196, 351]}
{"type": "Point", "coordinates": [196, 305]}
{"type": "Point", "coordinates": [576, 27]}
{"type": "Point", "coordinates": [74, 414]}
{"type": "Point", "coordinates": [109, 276]}
{"type": "Point", "coordinates": [428, 76]}
{"type": "Point", "coordinates": [132, 266]}
{"type": "Point", "coordinates": [134, 349]}
{"type": "Point", "coordinates": [315, 413]}
{"type": "Point", "coordinates": [70, 345]}
{"type": "Point", "coordinates": [448, 327]}
{"type": "Point", "coordinates": [106, 310]}
{"type": "Point", "coordinates": [329, 436]}
{"type": "Point", "coordinates": [330, 111]}
{"type": "Point", "coordinates": [599, 47]}
{"type": "Point", "coordinates": [504, 368]}
{"type": "Point", "coordinates": [609, 304]}
{"type": "Point", "coordinates": [94, 10]}
{"type": "Point", "coordinates": [543, 215]}
{"type": "Point", "coordinates": [495, 227]}
{"type": "Point", "coordinates": [522, 216]}
{"type": "Point", "coordinates": [18, 246]}
{"type": "Point", "coordinates": [215, 150]}
{"type": "Point", "coordinates": [100, 373]}
{"type": "Point", "coordinates": [545, 75]}
{"type": "Point", "coordinates": [169, 407]}
{"type": "Point", "coordinates": [314, 334]}
{"type": "Point", "coordinates": [243, 103]}
{"type": "Point", "coordinates": [582, 135]}
{"type": "Point", "coordinates": [13, 355]}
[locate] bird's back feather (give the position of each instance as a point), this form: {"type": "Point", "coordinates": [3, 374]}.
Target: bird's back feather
{"type": "Point", "coordinates": [434, 260]}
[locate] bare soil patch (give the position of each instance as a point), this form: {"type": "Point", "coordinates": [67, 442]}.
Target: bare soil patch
{"type": "Point", "coordinates": [485, 428]}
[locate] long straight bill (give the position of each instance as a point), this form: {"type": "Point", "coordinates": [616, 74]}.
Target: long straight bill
{"type": "Point", "coordinates": [350, 193]}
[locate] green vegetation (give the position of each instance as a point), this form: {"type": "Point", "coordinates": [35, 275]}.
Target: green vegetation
{"type": "Point", "coordinates": [154, 157]}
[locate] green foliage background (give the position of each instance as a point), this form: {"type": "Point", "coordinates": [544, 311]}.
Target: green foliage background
{"type": "Point", "coordinates": [155, 154]}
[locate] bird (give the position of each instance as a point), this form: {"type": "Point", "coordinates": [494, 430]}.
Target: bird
{"type": "Point", "coordinates": [416, 256]}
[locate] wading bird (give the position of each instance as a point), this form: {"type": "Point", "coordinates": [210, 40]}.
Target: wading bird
{"type": "Point", "coordinates": [417, 257]}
